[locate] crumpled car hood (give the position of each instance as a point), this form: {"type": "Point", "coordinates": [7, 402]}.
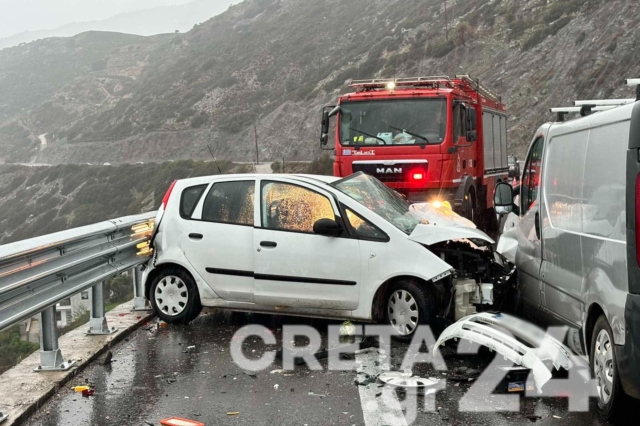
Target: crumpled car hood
{"type": "Point", "coordinates": [487, 329]}
{"type": "Point", "coordinates": [440, 215]}
{"type": "Point", "coordinates": [432, 234]}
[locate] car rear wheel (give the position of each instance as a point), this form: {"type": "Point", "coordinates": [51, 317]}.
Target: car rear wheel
{"type": "Point", "coordinates": [175, 297]}
{"type": "Point", "coordinates": [409, 305]}
{"type": "Point", "coordinates": [611, 399]}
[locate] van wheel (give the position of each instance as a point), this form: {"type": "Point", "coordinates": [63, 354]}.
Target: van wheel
{"type": "Point", "coordinates": [408, 306]}
{"type": "Point", "coordinates": [175, 297]}
{"type": "Point", "coordinates": [611, 397]}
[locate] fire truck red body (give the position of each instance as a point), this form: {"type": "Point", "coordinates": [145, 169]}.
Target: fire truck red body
{"type": "Point", "coordinates": [430, 138]}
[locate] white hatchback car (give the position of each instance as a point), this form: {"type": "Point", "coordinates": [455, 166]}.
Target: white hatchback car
{"type": "Point", "coordinates": [304, 245]}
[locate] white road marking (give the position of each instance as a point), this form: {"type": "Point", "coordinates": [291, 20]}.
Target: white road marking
{"type": "Point", "coordinates": [384, 409]}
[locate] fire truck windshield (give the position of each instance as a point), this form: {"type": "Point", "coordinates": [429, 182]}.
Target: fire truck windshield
{"type": "Point", "coordinates": [393, 122]}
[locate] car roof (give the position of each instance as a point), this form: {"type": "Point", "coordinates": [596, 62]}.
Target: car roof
{"type": "Point", "coordinates": [314, 179]}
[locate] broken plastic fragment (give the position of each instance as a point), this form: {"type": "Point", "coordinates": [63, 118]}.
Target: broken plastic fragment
{"type": "Point", "coordinates": [489, 330]}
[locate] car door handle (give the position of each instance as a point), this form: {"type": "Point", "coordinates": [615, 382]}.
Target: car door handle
{"type": "Point", "coordinates": [196, 236]}
{"type": "Point", "coordinates": [537, 220]}
{"type": "Point", "coordinates": [268, 244]}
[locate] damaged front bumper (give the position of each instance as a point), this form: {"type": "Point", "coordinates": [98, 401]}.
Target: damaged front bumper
{"type": "Point", "coordinates": [520, 342]}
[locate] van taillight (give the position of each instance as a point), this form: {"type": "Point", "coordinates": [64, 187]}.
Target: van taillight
{"type": "Point", "coordinates": [165, 200]}
{"type": "Point", "coordinates": [638, 219]}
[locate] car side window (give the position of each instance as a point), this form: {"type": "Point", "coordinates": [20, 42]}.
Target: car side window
{"type": "Point", "coordinates": [365, 229]}
{"type": "Point", "coordinates": [189, 200]}
{"type": "Point", "coordinates": [531, 177]}
{"type": "Point", "coordinates": [287, 207]}
{"type": "Point", "coordinates": [230, 202]}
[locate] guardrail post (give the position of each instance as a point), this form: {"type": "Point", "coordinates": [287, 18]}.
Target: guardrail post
{"type": "Point", "coordinates": [50, 354]}
{"type": "Point", "coordinates": [98, 322]}
{"type": "Point", "coordinates": [140, 303]}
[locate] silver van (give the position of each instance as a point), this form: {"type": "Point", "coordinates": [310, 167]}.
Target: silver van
{"type": "Point", "coordinates": [573, 238]}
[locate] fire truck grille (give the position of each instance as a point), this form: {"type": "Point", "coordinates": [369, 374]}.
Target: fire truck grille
{"type": "Point", "coordinates": [391, 173]}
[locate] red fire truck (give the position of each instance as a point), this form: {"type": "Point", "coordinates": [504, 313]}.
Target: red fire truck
{"type": "Point", "coordinates": [434, 139]}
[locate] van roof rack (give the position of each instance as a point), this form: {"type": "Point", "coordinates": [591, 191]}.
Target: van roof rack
{"type": "Point", "coordinates": [584, 110]}
{"type": "Point", "coordinates": [605, 102]}
{"type": "Point", "coordinates": [588, 107]}
{"type": "Point", "coordinates": [634, 82]}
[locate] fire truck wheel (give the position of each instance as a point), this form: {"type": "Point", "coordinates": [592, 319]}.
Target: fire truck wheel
{"type": "Point", "coordinates": [470, 210]}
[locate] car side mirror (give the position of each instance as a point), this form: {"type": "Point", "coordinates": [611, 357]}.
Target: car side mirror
{"type": "Point", "coordinates": [327, 227]}
{"type": "Point", "coordinates": [503, 198]}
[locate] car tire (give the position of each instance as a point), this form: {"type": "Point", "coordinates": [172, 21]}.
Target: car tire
{"type": "Point", "coordinates": [404, 299]}
{"type": "Point", "coordinates": [174, 296]}
{"type": "Point", "coordinates": [603, 364]}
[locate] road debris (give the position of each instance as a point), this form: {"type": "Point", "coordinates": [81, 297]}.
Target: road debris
{"type": "Point", "coordinates": [107, 358]}
{"type": "Point", "coordinates": [276, 386]}
{"type": "Point", "coordinates": [88, 392]}
{"type": "Point", "coordinates": [177, 421]}
{"type": "Point", "coordinates": [80, 388]}
{"type": "Point", "coordinates": [276, 371]}
{"type": "Point", "coordinates": [406, 381]}
{"type": "Point", "coordinates": [233, 413]}
{"type": "Point", "coordinates": [317, 394]}
{"type": "Point", "coordinates": [492, 330]}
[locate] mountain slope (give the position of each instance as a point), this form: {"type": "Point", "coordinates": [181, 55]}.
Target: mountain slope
{"type": "Point", "coordinates": [158, 20]}
{"type": "Point", "coordinates": [272, 63]}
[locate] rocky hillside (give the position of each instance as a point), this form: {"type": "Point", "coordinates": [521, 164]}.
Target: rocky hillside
{"type": "Point", "coordinates": [41, 200]}
{"type": "Point", "coordinates": [268, 65]}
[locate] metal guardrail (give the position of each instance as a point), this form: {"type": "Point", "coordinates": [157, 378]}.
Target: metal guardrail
{"type": "Point", "coordinates": [38, 273]}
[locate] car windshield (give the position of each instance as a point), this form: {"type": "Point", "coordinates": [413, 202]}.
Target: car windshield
{"type": "Point", "coordinates": [380, 199]}
{"type": "Point", "coordinates": [393, 122]}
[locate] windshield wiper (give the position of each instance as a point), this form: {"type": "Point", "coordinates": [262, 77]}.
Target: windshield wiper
{"type": "Point", "coordinates": [367, 134]}
{"type": "Point", "coordinates": [415, 135]}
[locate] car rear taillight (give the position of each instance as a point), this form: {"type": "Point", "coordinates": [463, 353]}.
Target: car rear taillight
{"type": "Point", "coordinates": [163, 206]}
{"type": "Point", "coordinates": [638, 219]}
{"type": "Point", "coordinates": [165, 200]}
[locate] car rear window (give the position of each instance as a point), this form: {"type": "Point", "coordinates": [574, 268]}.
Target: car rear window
{"type": "Point", "coordinates": [230, 202]}
{"type": "Point", "coordinates": [189, 200]}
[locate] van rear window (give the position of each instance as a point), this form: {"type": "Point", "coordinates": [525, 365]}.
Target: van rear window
{"type": "Point", "coordinates": [189, 200]}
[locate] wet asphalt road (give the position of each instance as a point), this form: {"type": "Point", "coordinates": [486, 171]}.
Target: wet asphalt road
{"type": "Point", "coordinates": [154, 376]}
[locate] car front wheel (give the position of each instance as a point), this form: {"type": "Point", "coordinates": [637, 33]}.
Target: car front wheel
{"type": "Point", "coordinates": [611, 397]}
{"type": "Point", "coordinates": [408, 306]}
{"type": "Point", "coordinates": [175, 297]}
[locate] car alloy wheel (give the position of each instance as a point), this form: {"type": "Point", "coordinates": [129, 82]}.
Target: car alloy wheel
{"type": "Point", "coordinates": [403, 312]}
{"type": "Point", "coordinates": [171, 295]}
{"type": "Point", "coordinates": [603, 366]}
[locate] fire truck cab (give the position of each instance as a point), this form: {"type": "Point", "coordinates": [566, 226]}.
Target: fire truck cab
{"type": "Point", "coordinates": [433, 139]}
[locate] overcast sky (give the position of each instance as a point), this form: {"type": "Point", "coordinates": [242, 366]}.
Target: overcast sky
{"type": "Point", "coordinates": [28, 15]}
